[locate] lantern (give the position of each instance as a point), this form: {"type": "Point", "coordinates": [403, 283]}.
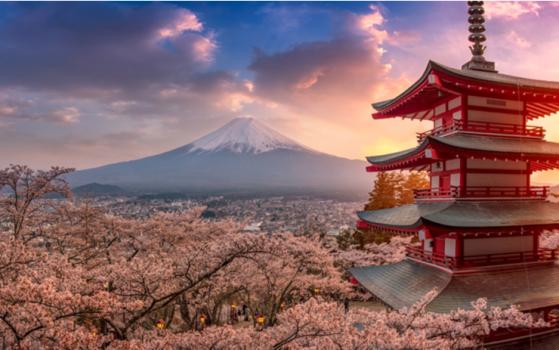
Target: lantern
{"type": "Point", "coordinates": [160, 324]}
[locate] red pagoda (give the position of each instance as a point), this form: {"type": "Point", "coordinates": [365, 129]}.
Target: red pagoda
{"type": "Point", "coordinates": [478, 225]}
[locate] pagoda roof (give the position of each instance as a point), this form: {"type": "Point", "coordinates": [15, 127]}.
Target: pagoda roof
{"type": "Point", "coordinates": [439, 83]}
{"type": "Point", "coordinates": [541, 152]}
{"type": "Point", "coordinates": [405, 283]}
{"type": "Point", "coordinates": [404, 217]}
{"type": "Point", "coordinates": [465, 214]}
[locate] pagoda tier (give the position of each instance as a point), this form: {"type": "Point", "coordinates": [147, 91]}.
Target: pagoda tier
{"type": "Point", "coordinates": [466, 216]}
{"type": "Point", "coordinates": [465, 235]}
{"type": "Point", "coordinates": [440, 84]}
{"type": "Point", "coordinates": [529, 154]}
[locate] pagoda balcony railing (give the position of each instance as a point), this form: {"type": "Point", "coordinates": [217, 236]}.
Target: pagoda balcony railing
{"type": "Point", "coordinates": [485, 127]}
{"type": "Point", "coordinates": [543, 255]}
{"type": "Point", "coordinates": [469, 192]}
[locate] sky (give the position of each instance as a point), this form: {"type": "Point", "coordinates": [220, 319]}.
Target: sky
{"type": "Point", "coordinates": [86, 84]}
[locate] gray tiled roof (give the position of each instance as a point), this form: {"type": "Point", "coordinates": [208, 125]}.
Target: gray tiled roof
{"type": "Point", "coordinates": [469, 214]}
{"type": "Point", "coordinates": [496, 213]}
{"type": "Point", "coordinates": [490, 77]}
{"type": "Point", "coordinates": [517, 145]}
{"type": "Point", "coordinates": [403, 216]}
{"type": "Point", "coordinates": [401, 284]}
{"type": "Point", "coordinates": [499, 144]}
{"type": "Point", "coordinates": [498, 77]}
{"type": "Point", "coordinates": [529, 288]}
{"type": "Point", "coordinates": [404, 283]}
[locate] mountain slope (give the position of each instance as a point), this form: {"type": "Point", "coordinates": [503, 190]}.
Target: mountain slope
{"type": "Point", "coordinates": [244, 155]}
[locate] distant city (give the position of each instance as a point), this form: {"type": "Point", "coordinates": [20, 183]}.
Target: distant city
{"type": "Point", "coordinates": [298, 215]}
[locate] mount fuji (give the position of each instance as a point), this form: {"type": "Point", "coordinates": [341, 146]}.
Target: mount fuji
{"type": "Point", "coordinates": [243, 156]}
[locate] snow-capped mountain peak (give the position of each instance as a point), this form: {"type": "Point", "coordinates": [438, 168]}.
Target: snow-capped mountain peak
{"type": "Point", "coordinates": [244, 135]}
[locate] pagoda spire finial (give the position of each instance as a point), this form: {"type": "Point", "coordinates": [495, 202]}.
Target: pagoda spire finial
{"type": "Point", "coordinates": [477, 38]}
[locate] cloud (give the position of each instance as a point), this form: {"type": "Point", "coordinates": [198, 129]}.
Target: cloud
{"type": "Point", "coordinates": [111, 66]}
{"type": "Point", "coordinates": [66, 115]}
{"type": "Point", "coordinates": [184, 21]}
{"type": "Point", "coordinates": [7, 110]}
{"type": "Point", "coordinates": [310, 80]}
{"type": "Point", "coordinates": [307, 73]}
{"type": "Point", "coordinates": [521, 42]}
{"type": "Point", "coordinates": [13, 108]}
{"type": "Point", "coordinates": [371, 24]}
{"type": "Point", "coordinates": [326, 77]}
{"type": "Point", "coordinates": [203, 48]}
{"type": "Point", "coordinates": [511, 10]}
{"type": "Point", "coordinates": [99, 46]}
{"type": "Point", "coordinates": [18, 109]}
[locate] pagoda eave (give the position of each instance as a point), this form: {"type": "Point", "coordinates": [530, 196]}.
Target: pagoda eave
{"type": "Point", "coordinates": [481, 215]}
{"type": "Point", "coordinates": [542, 155]}
{"type": "Point", "coordinates": [440, 83]}
{"type": "Point", "coordinates": [365, 225]}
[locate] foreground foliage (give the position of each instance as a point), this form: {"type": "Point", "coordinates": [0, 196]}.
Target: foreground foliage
{"type": "Point", "coordinates": [74, 277]}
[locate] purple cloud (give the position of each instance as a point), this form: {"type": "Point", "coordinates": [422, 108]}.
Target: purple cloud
{"type": "Point", "coordinates": [100, 46]}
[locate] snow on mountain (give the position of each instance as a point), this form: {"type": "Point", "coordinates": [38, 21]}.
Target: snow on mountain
{"type": "Point", "coordinates": [244, 135]}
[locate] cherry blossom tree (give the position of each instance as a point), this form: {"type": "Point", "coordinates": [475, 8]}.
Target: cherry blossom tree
{"type": "Point", "coordinates": [549, 239]}
{"type": "Point", "coordinates": [372, 254]}
{"type": "Point", "coordinates": [23, 187]}
{"type": "Point", "coordinates": [296, 269]}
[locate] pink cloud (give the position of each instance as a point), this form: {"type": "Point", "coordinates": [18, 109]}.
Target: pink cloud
{"type": "Point", "coordinates": [399, 38]}
{"type": "Point", "coordinates": [7, 110]}
{"type": "Point", "coordinates": [510, 10]}
{"type": "Point", "coordinates": [521, 42]}
{"type": "Point", "coordinates": [371, 24]}
{"type": "Point", "coordinates": [234, 101]}
{"type": "Point", "coordinates": [66, 115]}
{"type": "Point", "coordinates": [309, 81]}
{"type": "Point", "coordinates": [184, 31]}
{"type": "Point", "coordinates": [204, 48]}
{"type": "Point", "coordinates": [184, 21]}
